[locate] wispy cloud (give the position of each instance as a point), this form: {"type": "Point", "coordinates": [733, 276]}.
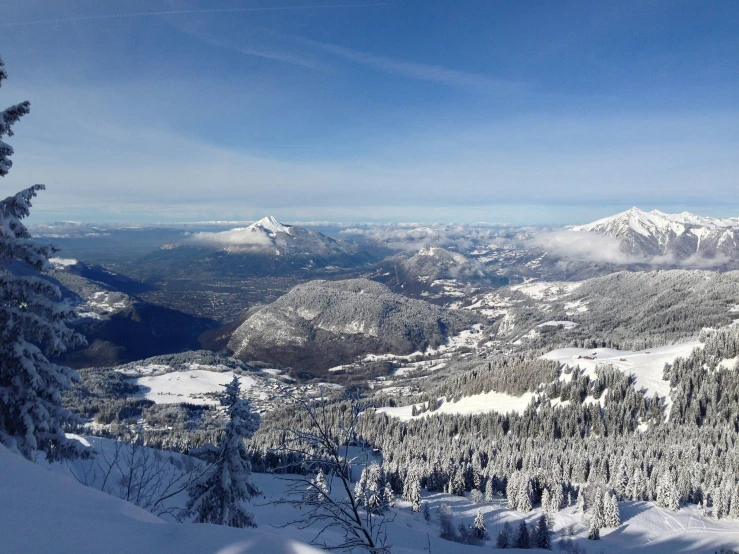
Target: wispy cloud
{"type": "Point", "coordinates": [414, 70]}
{"type": "Point", "coordinates": [200, 11]}
{"type": "Point", "coordinates": [258, 48]}
{"type": "Point", "coordinates": [585, 246]}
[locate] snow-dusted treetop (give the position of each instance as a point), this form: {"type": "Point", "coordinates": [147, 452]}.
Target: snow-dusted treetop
{"type": "Point", "coordinates": [8, 117]}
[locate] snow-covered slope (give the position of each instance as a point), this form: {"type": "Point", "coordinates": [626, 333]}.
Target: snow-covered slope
{"type": "Point", "coordinates": [42, 511]}
{"type": "Point", "coordinates": [46, 511]}
{"type": "Point", "coordinates": [484, 403]}
{"type": "Point", "coordinates": [677, 237]}
{"type": "Point", "coordinates": [646, 366]}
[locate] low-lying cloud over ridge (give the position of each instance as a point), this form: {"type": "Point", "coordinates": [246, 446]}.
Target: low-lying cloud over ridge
{"type": "Point", "coordinates": [588, 246]}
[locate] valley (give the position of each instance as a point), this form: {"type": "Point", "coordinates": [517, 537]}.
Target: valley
{"type": "Point", "coordinates": [453, 335]}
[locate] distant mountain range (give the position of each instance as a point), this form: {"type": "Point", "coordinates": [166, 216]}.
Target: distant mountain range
{"type": "Point", "coordinates": [670, 238]}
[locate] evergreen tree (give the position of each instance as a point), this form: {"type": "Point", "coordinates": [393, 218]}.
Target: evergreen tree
{"type": "Point", "coordinates": [556, 498]}
{"type": "Point", "coordinates": [611, 513]}
{"type": "Point", "coordinates": [522, 538]}
{"type": "Point", "coordinates": [32, 327]}
{"type": "Point", "coordinates": [734, 509]}
{"type": "Point", "coordinates": [580, 504]}
{"type": "Point", "coordinates": [373, 491]}
{"type": "Point", "coordinates": [593, 531]}
{"type": "Point", "coordinates": [489, 490]}
{"type": "Point", "coordinates": [478, 527]}
{"type": "Point", "coordinates": [458, 484]}
{"type": "Point", "coordinates": [9, 117]}
{"type": "Point", "coordinates": [543, 533]}
{"type": "Point", "coordinates": [446, 523]}
{"type": "Point", "coordinates": [667, 495]}
{"type": "Point", "coordinates": [412, 488]}
{"type": "Point", "coordinates": [387, 495]}
{"type": "Point", "coordinates": [504, 537]}
{"type": "Point", "coordinates": [596, 510]}
{"type": "Point", "coordinates": [320, 486]}
{"type": "Point", "coordinates": [218, 495]}
{"type": "Point", "coordinates": [545, 501]}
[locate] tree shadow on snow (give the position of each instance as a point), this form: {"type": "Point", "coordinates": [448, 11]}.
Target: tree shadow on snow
{"type": "Point", "coordinates": [630, 510]}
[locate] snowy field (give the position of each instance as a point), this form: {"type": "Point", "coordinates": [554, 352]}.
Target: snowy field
{"type": "Point", "coordinates": [646, 365]}
{"type": "Point", "coordinates": [484, 403]}
{"type": "Point", "coordinates": [196, 386]}
{"type": "Point", "coordinates": [47, 511]}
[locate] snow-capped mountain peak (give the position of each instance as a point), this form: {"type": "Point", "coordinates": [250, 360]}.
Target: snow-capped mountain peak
{"type": "Point", "coordinates": [655, 233]}
{"type": "Point", "coordinates": [270, 225]}
{"type": "Point", "coordinates": [644, 222]}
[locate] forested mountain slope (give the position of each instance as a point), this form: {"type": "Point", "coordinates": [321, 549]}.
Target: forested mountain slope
{"type": "Point", "coordinates": [323, 324]}
{"type": "Point", "coordinates": [628, 310]}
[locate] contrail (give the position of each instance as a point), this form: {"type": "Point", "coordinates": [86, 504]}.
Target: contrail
{"type": "Point", "coordinates": [182, 12]}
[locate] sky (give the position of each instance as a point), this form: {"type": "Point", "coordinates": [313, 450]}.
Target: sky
{"type": "Point", "coordinates": [396, 110]}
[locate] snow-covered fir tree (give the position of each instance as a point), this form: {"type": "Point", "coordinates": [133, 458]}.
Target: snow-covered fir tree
{"type": "Point", "coordinates": [218, 496]}
{"type": "Point", "coordinates": [478, 527]}
{"type": "Point", "coordinates": [667, 495]}
{"type": "Point", "coordinates": [593, 530]}
{"type": "Point", "coordinates": [734, 510]}
{"type": "Point", "coordinates": [520, 492]}
{"type": "Point", "coordinates": [412, 488]}
{"type": "Point", "coordinates": [33, 327]}
{"type": "Point", "coordinates": [545, 501]}
{"type": "Point", "coordinates": [556, 498]}
{"type": "Point", "coordinates": [597, 516]}
{"type": "Point", "coordinates": [318, 489]}
{"type": "Point", "coordinates": [371, 491]}
{"type": "Point", "coordinates": [489, 490]}
{"type": "Point", "coordinates": [9, 117]}
{"type": "Point", "coordinates": [580, 505]}
{"type": "Point", "coordinates": [388, 496]}
{"type": "Point", "coordinates": [611, 513]}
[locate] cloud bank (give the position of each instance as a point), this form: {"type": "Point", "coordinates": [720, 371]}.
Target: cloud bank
{"type": "Point", "coordinates": [240, 238]}
{"type": "Point", "coordinates": [592, 247]}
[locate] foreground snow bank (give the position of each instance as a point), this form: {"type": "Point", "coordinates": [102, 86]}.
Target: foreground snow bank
{"type": "Point", "coordinates": [43, 511]}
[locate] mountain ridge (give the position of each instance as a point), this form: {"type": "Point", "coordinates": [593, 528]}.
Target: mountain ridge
{"type": "Point", "coordinates": [677, 237]}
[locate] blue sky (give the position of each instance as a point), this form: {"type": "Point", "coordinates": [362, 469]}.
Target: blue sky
{"type": "Point", "coordinates": [530, 111]}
